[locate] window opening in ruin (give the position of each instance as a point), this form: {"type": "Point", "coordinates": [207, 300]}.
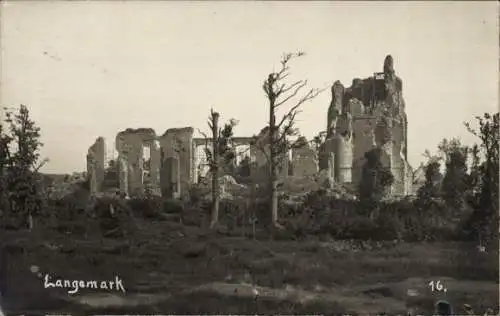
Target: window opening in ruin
{"type": "Point", "coordinates": [202, 167]}
{"type": "Point", "coordinates": [241, 152]}
{"type": "Point", "coordinates": [146, 160]}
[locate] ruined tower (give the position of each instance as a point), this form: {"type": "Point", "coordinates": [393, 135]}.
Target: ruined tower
{"type": "Point", "coordinates": [368, 114]}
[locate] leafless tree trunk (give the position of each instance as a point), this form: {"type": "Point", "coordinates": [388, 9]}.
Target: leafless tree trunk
{"type": "Point", "coordinates": [273, 157]}
{"type": "Point", "coordinates": [279, 93]}
{"type": "Point", "coordinates": [214, 168]}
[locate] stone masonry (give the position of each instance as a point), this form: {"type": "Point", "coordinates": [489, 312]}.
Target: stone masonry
{"type": "Point", "coordinates": [95, 165]}
{"type": "Point", "coordinates": [130, 145]}
{"type": "Point", "coordinates": [304, 162]}
{"type": "Point", "coordinates": [368, 114]}
{"type": "Point", "coordinates": [176, 152]}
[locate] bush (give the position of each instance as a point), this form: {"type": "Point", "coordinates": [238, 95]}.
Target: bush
{"type": "Point", "coordinates": [406, 220]}
{"type": "Point", "coordinates": [146, 207]}
{"type": "Point", "coordinates": [233, 213]}
{"type": "Point", "coordinates": [357, 227]}
{"type": "Point", "coordinates": [302, 224]}
{"type": "Point", "coordinates": [172, 206]}
{"type": "Point", "coordinates": [388, 228]}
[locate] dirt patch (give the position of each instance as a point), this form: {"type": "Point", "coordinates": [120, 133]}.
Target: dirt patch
{"type": "Point", "coordinates": [353, 303]}
{"type": "Point", "coordinates": [117, 301]}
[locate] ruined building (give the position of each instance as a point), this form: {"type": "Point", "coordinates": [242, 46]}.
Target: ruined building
{"type": "Point", "coordinates": [166, 165]}
{"type": "Point", "coordinates": [368, 114]}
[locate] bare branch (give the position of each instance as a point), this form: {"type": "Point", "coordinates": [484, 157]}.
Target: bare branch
{"type": "Point", "coordinates": [292, 112]}
{"type": "Point", "coordinates": [283, 73]}
{"type": "Point", "coordinates": [294, 93]}
{"type": "Point", "coordinates": [283, 76]}
{"type": "Point", "coordinates": [288, 129]}
{"type": "Point", "coordinates": [284, 89]}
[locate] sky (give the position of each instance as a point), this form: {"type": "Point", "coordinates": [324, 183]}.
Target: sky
{"type": "Point", "coordinates": [89, 69]}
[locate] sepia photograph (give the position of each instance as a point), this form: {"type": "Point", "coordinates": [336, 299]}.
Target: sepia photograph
{"type": "Point", "coordinates": [249, 158]}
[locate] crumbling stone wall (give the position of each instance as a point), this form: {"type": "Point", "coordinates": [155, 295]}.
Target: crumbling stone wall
{"type": "Point", "coordinates": [176, 144]}
{"type": "Point", "coordinates": [170, 177]}
{"type": "Point", "coordinates": [96, 161]}
{"type": "Point", "coordinates": [172, 165]}
{"type": "Point", "coordinates": [130, 147]}
{"type": "Point", "coordinates": [343, 158]}
{"type": "Point", "coordinates": [374, 110]}
{"type": "Point", "coordinates": [123, 171]}
{"type": "Point", "coordinates": [355, 107]}
{"type": "Point", "coordinates": [304, 162]}
{"type": "Point", "coordinates": [363, 141]}
{"type": "Point", "coordinates": [154, 178]}
{"type": "Point", "coordinates": [335, 108]}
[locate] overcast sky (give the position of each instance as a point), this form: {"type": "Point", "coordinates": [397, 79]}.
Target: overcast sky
{"type": "Point", "coordinates": [89, 69]}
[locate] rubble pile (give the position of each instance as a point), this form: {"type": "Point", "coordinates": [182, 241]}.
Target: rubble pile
{"type": "Point", "coordinates": [229, 188]}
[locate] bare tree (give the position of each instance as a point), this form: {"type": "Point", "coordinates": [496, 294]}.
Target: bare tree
{"type": "Point", "coordinates": [220, 151]}
{"type": "Point", "coordinates": [279, 95]}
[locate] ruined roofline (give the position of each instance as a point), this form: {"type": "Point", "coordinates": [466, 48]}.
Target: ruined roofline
{"type": "Point", "coordinates": [139, 130]}
{"type": "Point", "coordinates": [377, 76]}
{"type": "Point", "coordinates": [388, 68]}
{"type": "Point", "coordinates": [152, 132]}
{"type": "Point", "coordinates": [234, 139]}
{"type": "Point", "coordinates": [188, 129]}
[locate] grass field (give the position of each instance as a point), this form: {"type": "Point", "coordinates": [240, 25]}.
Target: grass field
{"type": "Point", "coordinates": [171, 268]}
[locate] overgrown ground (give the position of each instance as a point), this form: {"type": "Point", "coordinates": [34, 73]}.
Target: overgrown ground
{"type": "Point", "coordinates": [168, 267]}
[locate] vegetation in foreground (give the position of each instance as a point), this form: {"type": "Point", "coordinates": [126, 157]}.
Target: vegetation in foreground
{"type": "Point", "coordinates": [176, 265]}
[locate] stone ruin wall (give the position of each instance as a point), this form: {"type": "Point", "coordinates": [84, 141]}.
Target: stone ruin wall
{"type": "Point", "coordinates": [176, 147]}
{"type": "Point", "coordinates": [368, 114]}
{"type": "Point", "coordinates": [304, 162]}
{"type": "Point", "coordinates": [96, 160]}
{"type": "Point", "coordinates": [135, 175]}
{"type": "Point", "coordinates": [130, 145]}
{"type": "Point", "coordinates": [172, 168]}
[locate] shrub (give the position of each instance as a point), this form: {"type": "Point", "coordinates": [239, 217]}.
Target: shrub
{"type": "Point", "coordinates": [388, 228]}
{"type": "Point", "coordinates": [405, 219]}
{"type": "Point", "coordinates": [302, 224]}
{"type": "Point", "coordinates": [172, 206]}
{"type": "Point", "coordinates": [357, 227]}
{"type": "Point", "coordinates": [234, 213]}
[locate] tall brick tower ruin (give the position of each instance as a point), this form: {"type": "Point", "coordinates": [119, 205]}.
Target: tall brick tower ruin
{"type": "Point", "coordinates": [368, 114]}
